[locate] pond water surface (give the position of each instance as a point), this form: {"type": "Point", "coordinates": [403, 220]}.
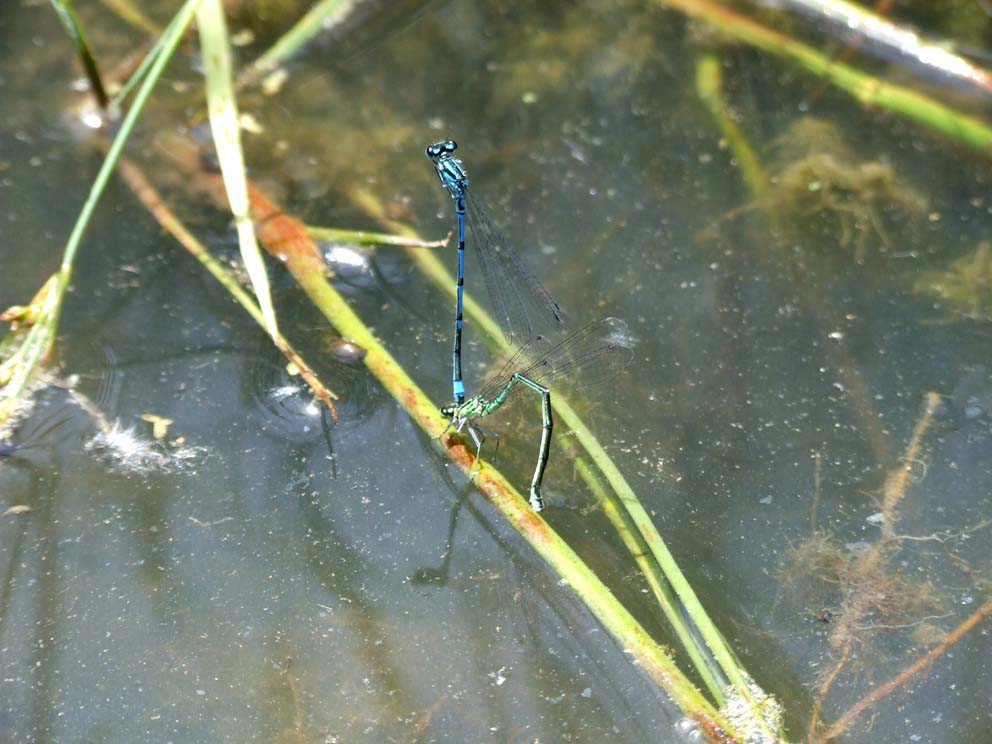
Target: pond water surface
{"type": "Point", "coordinates": [280, 578]}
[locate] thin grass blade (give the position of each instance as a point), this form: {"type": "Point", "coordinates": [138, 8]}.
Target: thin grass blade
{"type": "Point", "coordinates": [139, 74]}
{"type": "Point", "coordinates": [132, 14]}
{"type": "Point", "coordinates": [364, 237]}
{"type": "Point", "coordinates": [173, 37]}
{"type": "Point", "coordinates": [39, 340]}
{"type": "Point", "coordinates": [227, 139]}
{"type": "Point", "coordinates": [322, 17]}
{"type": "Point", "coordinates": [70, 22]}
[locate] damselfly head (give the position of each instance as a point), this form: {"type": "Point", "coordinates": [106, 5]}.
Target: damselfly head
{"type": "Point", "coordinates": [448, 411]}
{"type": "Point", "coordinates": [444, 147]}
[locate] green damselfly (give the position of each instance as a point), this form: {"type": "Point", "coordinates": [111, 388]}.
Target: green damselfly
{"type": "Point", "coordinates": [591, 355]}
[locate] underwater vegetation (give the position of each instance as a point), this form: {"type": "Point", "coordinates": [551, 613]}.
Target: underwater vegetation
{"type": "Point", "coordinates": [965, 286]}
{"type": "Point", "coordinates": [820, 183]}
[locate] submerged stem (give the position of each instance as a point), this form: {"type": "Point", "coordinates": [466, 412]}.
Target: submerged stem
{"type": "Point", "coordinates": [916, 669]}
{"type": "Point", "coordinates": [869, 90]}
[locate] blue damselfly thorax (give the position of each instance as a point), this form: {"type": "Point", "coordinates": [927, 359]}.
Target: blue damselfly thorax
{"type": "Point", "coordinates": [449, 168]}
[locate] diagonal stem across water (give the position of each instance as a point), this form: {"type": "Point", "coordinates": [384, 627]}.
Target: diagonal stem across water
{"type": "Point", "coordinates": [657, 562]}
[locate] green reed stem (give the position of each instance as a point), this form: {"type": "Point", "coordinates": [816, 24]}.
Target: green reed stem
{"type": "Point", "coordinates": [869, 90]}
{"type": "Point", "coordinates": [226, 130]}
{"type": "Point", "coordinates": [139, 74]}
{"type": "Point", "coordinates": [711, 676]}
{"type": "Point", "coordinates": [319, 19]}
{"type": "Point", "coordinates": [709, 78]}
{"type": "Point", "coordinates": [363, 237]}
{"type": "Point", "coordinates": [132, 14]}
{"type": "Point", "coordinates": [41, 336]}
{"type": "Point", "coordinates": [430, 265]}
{"type": "Point", "coordinates": [173, 37]}
{"type": "Point", "coordinates": [286, 238]}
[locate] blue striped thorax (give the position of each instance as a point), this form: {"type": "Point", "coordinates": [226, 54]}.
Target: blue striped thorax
{"type": "Point", "coordinates": [449, 168]}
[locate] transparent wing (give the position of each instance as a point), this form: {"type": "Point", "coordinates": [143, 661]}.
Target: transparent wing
{"type": "Point", "coordinates": [588, 357]}
{"type": "Point", "coordinates": [523, 307]}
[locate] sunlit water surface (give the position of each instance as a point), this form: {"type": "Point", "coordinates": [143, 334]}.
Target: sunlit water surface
{"type": "Point", "coordinates": [279, 578]}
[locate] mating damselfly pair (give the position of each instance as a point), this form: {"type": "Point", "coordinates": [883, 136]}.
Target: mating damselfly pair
{"type": "Point", "coordinates": [528, 317]}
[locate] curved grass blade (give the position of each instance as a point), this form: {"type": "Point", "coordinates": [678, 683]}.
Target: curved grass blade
{"type": "Point", "coordinates": [174, 35]}
{"type": "Point", "coordinates": [131, 13]}
{"type": "Point", "coordinates": [39, 340]}
{"type": "Point", "coordinates": [323, 16]}
{"type": "Point", "coordinates": [227, 139]}
{"type": "Point", "coordinates": [364, 237]}
{"type": "Point", "coordinates": [139, 74]}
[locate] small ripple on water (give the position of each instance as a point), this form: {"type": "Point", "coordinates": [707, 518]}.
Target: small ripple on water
{"type": "Point", "coordinates": [285, 402]}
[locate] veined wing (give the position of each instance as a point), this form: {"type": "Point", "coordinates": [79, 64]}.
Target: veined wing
{"type": "Point", "coordinates": [523, 307]}
{"type": "Point", "coordinates": [589, 356]}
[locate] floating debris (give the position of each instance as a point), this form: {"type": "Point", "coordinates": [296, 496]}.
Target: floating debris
{"type": "Point", "coordinates": [16, 511]}
{"type": "Point", "coordinates": [129, 452]}
{"type": "Point", "coordinates": [273, 82]}
{"type": "Point", "coordinates": [160, 426]}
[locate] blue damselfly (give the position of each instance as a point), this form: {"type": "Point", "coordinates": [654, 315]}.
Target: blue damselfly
{"type": "Point", "coordinates": [523, 307]}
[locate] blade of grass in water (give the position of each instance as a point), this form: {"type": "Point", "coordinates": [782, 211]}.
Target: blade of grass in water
{"type": "Point", "coordinates": [70, 22]}
{"type": "Point", "coordinates": [226, 131]}
{"type": "Point", "coordinates": [363, 237]}
{"type": "Point", "coordinates": [319, 19]}
{"type": "Point", "coordinates": [25, 363]}
{"type": "Point", "coordinates": [22, 350]}
{"type": "Point", "coordinates": [175, 34]}
{"type": "Point", "coordinates": [705, 666]}
{"type": "Point", "coordinates": [132, 14]}
{"type": "Point", "coordinates": [118, 100]}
